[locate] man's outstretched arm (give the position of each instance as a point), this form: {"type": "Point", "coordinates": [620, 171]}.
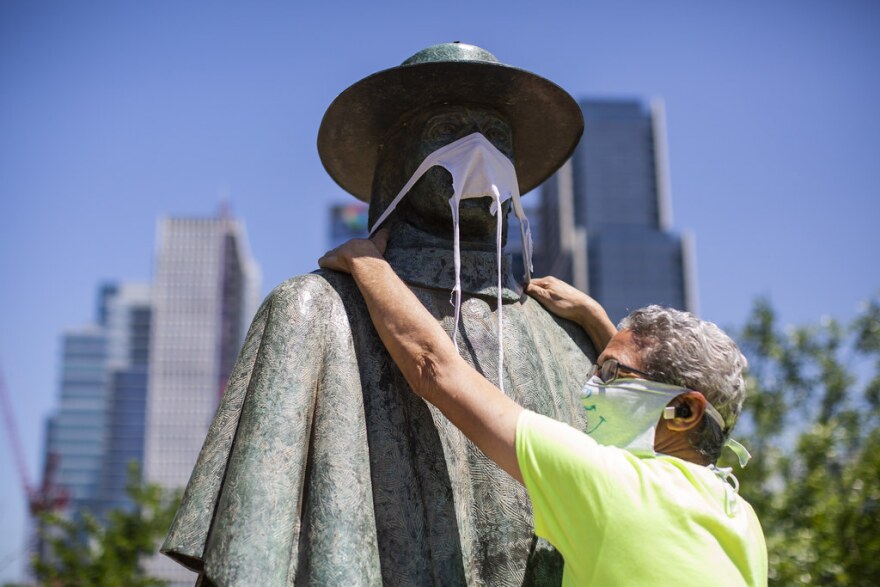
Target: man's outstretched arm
{"type": "Point", "coordinates": [425, 354]}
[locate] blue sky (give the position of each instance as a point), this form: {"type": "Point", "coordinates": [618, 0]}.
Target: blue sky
{"type": "Point", "coordinates": [115, 113]}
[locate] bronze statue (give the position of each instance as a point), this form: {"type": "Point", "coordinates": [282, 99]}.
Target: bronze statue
{"type": "Point", "coordinates": [321, 468]}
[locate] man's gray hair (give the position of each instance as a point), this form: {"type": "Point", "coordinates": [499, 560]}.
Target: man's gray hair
{"type": "Point", "coordinates": [677, 348]}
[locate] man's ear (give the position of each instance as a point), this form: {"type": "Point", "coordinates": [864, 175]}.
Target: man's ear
{"type": "Point", "coordinates": [685, 411]}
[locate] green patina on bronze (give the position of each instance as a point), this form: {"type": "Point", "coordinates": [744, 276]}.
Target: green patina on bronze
{"type": "Point", "coordinates": [321, 466]}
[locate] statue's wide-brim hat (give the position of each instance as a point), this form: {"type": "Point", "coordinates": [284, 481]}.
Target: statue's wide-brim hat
{"type": "Point", "coordinates": [546, 121]}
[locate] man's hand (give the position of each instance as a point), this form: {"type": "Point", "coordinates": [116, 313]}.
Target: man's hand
{"type": "Point", "coordinates": [572, 304]}
{"type": "Point", "coordinates": [562, 299]}
{"type": "Point", "coordinates": [340, 258]}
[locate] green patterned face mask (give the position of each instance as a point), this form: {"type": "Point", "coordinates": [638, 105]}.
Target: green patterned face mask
{"type": "Point", "coordinates": [624, 412]}
{"type": "Point", "coordinates": [478, 170]}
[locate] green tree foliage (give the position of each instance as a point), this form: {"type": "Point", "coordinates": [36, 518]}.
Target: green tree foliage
{"type": "Point", "coordinates": [86, 552]}
{"type": "Point", "coordinates": [811, 421]}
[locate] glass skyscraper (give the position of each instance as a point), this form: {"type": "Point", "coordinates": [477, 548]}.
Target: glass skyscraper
{"type": "Point", "coordinates": [204, 296]}
{"type": "Point", "coordinates": [75, 433]}
{"type": "Point", "coordinates": [127, 323]}
{"type": "Point", "coordinates": [141, 384]}
{"type": "Point", "coordinates": [203, 299]}
{"type": "Point", "coordinates": [606, 214]}
{"type": "Point", "coordinates": [98, 428]}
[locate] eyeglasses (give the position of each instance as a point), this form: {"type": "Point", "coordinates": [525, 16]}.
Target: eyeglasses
{"type": "Point", "coordinates": [610, 370]}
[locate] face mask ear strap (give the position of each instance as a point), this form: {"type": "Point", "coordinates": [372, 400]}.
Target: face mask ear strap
{"type": "Point", "coordinates": [526, 233]}
{"type": "Point", "coordinates": [455, 297]}
{"type": "Point", "coordinates": [739, 450]}
{"type": "Point", "coordinates": [429, 162]}
{"type": "Point", "coordinates": [498, 266]}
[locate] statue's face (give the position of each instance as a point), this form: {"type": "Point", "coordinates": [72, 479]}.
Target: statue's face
{"type": "Point", "coordinates": [427, 204]}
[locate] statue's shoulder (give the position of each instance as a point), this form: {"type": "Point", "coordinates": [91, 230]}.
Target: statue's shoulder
{"type": "Point", "coordinates": [318, 291]}
{"type": "Point", "coordinates": [555, 326]}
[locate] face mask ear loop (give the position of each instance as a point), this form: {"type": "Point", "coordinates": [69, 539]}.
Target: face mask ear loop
{"type": "Point", "coordinates": [429, 162]}
{"type": "Point", "coordinates": [526, 233]}
{"type": "Point", "coordinates": [740, 451]}
{"type": "Point", "coordinates": [731, 488]}
{"type": "Point", "coordinates": [455, 297]}
{"type": "Point", "coordinates": [498, 265]}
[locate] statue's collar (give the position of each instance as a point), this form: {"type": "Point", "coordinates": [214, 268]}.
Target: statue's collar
{"type": "Point", "coordinates": [423, 259]}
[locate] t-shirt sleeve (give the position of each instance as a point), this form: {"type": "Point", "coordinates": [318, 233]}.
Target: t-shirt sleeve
{"type": "Point", "coordinates": [569, 480]}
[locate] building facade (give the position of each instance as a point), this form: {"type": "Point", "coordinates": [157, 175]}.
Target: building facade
{"type": "Point", "coordinates": [141, 384]}
{"type": "Point", "coordinates": [204, 295]}
{"type": "Point", "coordinates": [97, 430]}
{"type": "Point", "coordinates": [203, 299]}
{"type": "Point", "coordinates": [606, 214]}
{"type": "Point", "coordinates": [75, 440]}
{"type": "Point", "coordinates": [127, 323]}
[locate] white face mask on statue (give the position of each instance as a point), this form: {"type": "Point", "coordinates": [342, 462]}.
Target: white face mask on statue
{"type": "Point", "coordinates": [478, 170]}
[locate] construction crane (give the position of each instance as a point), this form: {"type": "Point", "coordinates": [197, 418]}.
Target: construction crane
{"type": "Point", "coordinates": [48, 496]}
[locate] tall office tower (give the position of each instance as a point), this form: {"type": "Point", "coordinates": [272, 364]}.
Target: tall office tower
{"type": "Point", "coordinates": [142, 383]}
{"type": "Point", "coordinates": [88, 433]}
{"type": "Point", "coordinates": [204, 295]}
{"type": "Point", "coordinates": [606, 214]}
{"type": "Point", "coordinates": [75, 433]}
{"type": "Point", "coordinates": [75, 439]}
{"type": "Point", "coordinates": [127, 309]}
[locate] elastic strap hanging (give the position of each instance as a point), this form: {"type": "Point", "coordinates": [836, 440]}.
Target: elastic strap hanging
{"type": "Point", "coordinates": [739, 450]}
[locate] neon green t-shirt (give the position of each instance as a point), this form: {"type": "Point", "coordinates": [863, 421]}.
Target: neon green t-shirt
{"type": "Point", "coordinates": [619, 519]}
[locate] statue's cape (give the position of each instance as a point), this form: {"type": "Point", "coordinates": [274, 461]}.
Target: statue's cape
{"type": "Point", "coordinates": [322, 467]}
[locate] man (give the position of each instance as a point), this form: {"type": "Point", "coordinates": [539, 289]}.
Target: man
{"type": "Point", "coordinates": [621, 515]}
{"type": "Point", "coordinates": [321, 467]}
